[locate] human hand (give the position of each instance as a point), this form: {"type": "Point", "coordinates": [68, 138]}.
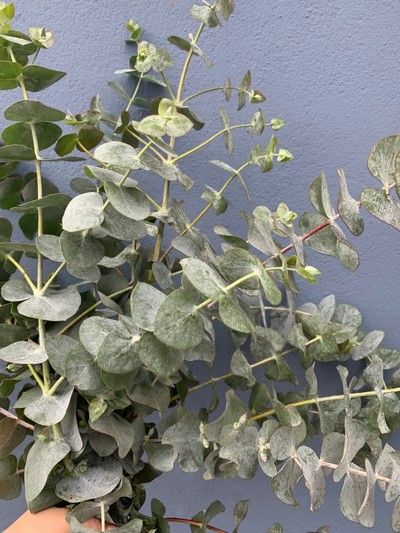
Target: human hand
{"type": "Point", "coordinates": [52, 520]}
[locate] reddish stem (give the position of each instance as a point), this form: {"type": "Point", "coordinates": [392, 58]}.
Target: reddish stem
{"type": "Point", "coordinates": [194, 523]}
{"type": "Point", "coordinates": [18, 421]}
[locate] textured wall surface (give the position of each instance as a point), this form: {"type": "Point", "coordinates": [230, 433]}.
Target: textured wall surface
{"type": "Point", "coordinates": [331, 70]}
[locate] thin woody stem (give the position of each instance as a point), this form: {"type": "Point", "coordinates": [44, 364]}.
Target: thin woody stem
{"type": "Point", "coordinates": [262, 362]}
{"type": "Point", "coordinates": [361, 473]}
{"type": "Point", "coordinates": [22, 423]}
{"type": "Point", "coordinates": [323, 399]}
{"type": "Point", "coordinates": [195, 523]}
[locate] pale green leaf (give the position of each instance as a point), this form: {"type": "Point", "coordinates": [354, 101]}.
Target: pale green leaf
{"type": "Point", "coordinates": [177, 323]}
{"type": "Point", "coordinates": [83, 212]}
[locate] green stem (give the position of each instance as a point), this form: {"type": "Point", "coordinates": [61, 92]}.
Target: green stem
{"type": "Point", "coordinates": [135, 92]}
{"type": "Point", "coordinates": [52, 278]}
{"type": "Point", "coordinates": [208, 141]}
{"type": "Point", "coordinates": [187, 63]}
{"type": "Point", "coordinates": [90, 309]}
{"type": "Point", "coordinates": [171, 92]}
{"type": "Point", "coordinates": [138, 138]}
{"type": "Point", "coordinates": [57, 433]}
{"type": "Point", "coordinates": [53, 389]}
{"type": "Point", "coordinates": [38, 379]}
{"type": "Point", "coordinates": [206, 209]}
{"type": "Point", "coordinates": [233, 285]}
{"type": "Point", "coordinates": [316, 401]}
{"type": "Point", "coordinates": [23, 272]}
{"type": "Point", "coordinates": [212, 89]}
{"type": "Point", "coordinates": [265, 361]}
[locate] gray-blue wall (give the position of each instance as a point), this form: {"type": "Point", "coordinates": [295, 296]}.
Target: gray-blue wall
{"type": "Point", "coordinates": [331, 70]}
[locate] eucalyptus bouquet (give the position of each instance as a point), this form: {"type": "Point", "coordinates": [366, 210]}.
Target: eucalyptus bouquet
{"type": "Point", "coordinates": [114, 292]}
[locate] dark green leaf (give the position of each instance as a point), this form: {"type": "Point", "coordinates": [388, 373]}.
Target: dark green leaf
{"type": "Point", "coordinates": [21, 133]}
{"type": "Point", "coordinates": [16, 152]}
{"type": "Point", "coordinates": [182, 44]}
{"type": "Point", "coordinates": [37, 78]}
{"type": "Point", "coordinates": [57, 201]}
{"type": "Point", "coordinates": [66, 144]}
{"type": "Point", "coordinates": [10, 483]}
{"type": "Point", "coordinates": [31, 111]}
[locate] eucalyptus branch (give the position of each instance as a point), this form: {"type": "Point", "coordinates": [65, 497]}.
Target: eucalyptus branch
{"type": "Point", "coordinates": [135, 92]}
{"type": "Point", "coordinates": [209, 140]}
{"type": "Point", "coordinates": [18, 421]}
{"type": "Point", "coordinates": [206, 208]}
{"type": "Point", "coordinates": [234, 284]}
{"type": "Point", "coordinates": [323, 399]}
{"type": "Point", "coordinates": [195, 523]}
{"type": "Point", "coordinates": [350, 470]}
{"type": "Point", "coordinates": [187, 63]}
{"type": "Point", "coordinates": [165, 200]}
{"type": "Point", "coordinates": [315, 230]}
{"type": "Point", "coordinates": [262, 362]}
{"type": "Point", "coordinates": [210, 90]}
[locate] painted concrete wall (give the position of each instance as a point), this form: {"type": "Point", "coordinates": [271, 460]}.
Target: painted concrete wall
{"type": "Point", "coordinates": [331, 70]}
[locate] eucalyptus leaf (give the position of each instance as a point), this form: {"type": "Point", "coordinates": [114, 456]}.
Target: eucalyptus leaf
{"type": "Point", "coordinates": [381, 163]}
{"type": "Point", "coordinates": [81, 250]}
{"type": "Point", "coordinates": [44, 455]}
{"type": "Point", "coordinates": [24, 353]}
{"type": "Point", "coordinates": [83, 212]}
{"type": "Point", "coordinates": [48, 410]}
{"type": "Point", "coordinates": [162, 360]}
{"type": "Point", "coordinates": [92, 482]}
{"type": "Point", "coordinates": [53, 306]}
{"type": "Point", "coordinates": [128, 201]}
{"type": "Point", "coordinates": [118, 154]}
{"type": "Point", "coordinates": [177, 322]}
{"type": "Point", "coordinates": [145, 301]}
{"type": "Point", "coordinates": [31, 111]}
{"type": "Point", "coordinates": [379, 203]}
